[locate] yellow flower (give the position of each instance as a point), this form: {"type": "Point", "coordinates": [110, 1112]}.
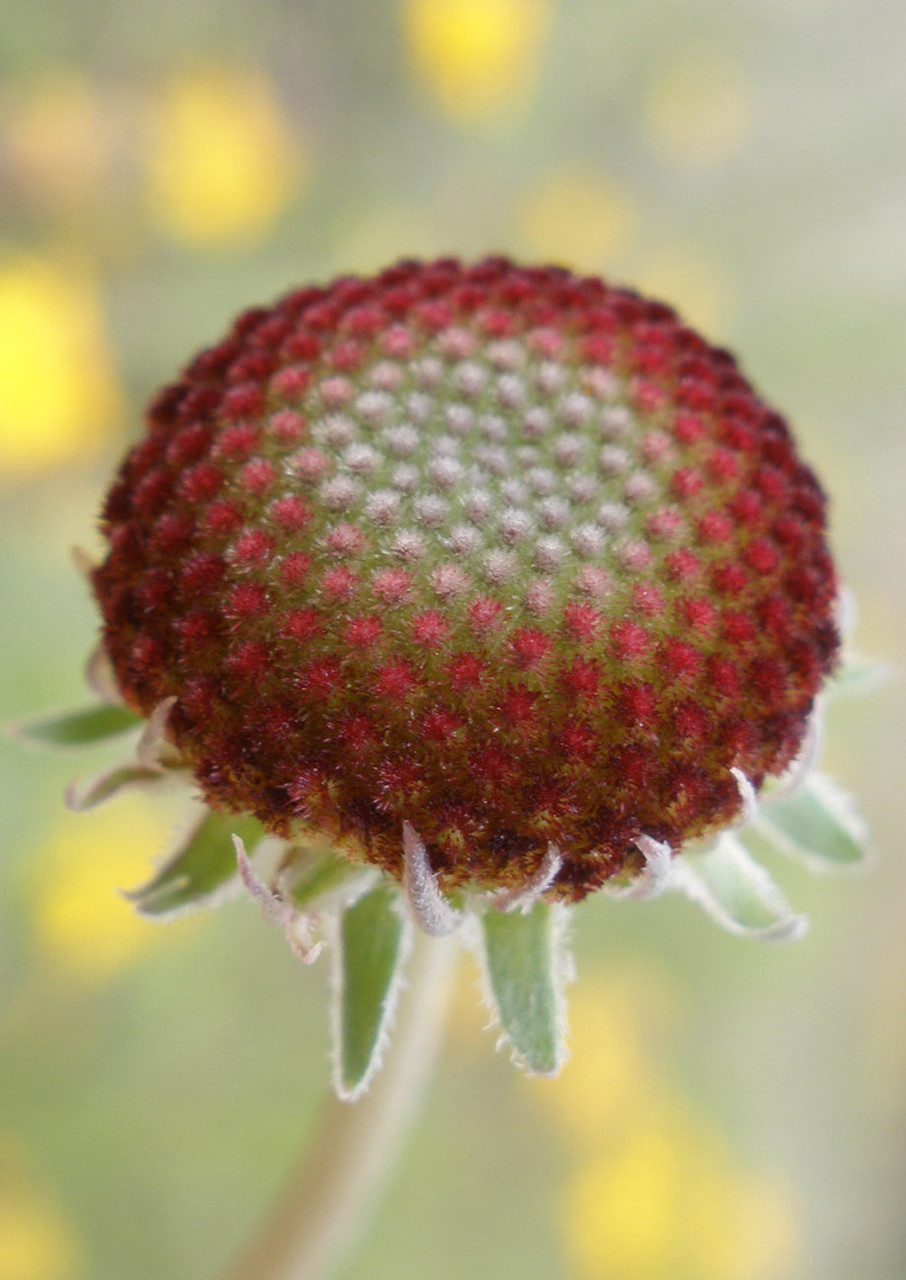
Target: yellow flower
{"type": "Point", "coordinates": [699, 108]}
{"type": "Point", "coordinates": [36, 1242]}
{"type": "Point", "coordinates": [667, 1202]}
{"type": "Point", "coordinates": [223, 161]}
{"type": "Point", "coordinates": [611, 1077]}
{"type": "Point", "coordinates": [480, 58]}
{"type": "Point", "coordinates": [575, 218]}
{"type": "Point", "coordinates": [58, 136]}
{"type": "Point", "coordinates": [81, 919]}
{"type": "Point", "coordinates": [655, 1193]}
{"type": "Point", "coordinates": [58, 393]}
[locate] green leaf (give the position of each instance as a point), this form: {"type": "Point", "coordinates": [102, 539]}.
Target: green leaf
{"type": "Point", "coordinates": [82, 796]}
{"type": "Point", "coordinates": [203, 863]}
{"type": "Point", "coordinates": [77, 728]}
{"type": "Point", "coordinates": [322, 871]}
{"type": "Point", "coordinates": [859, 675]}
{"type": "Point", "coordinates": [526, 974]}
{"type": "Point", "coordinates": [817, 824]}
{"type": "Point", "coordinates": [373, 942]}
{"type": "Point", "coordinates": [737, 892]}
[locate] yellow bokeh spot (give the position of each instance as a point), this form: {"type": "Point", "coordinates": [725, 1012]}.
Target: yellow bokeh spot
{"type": "Point", "coordinates": [668, 1203]}
{"type": "Point", "coordinates": [81, 919]}
{"type": "Point", "coordinates": [58, 136]}
{"type": "Point", "coordinates": [480, 58]}
{"type": "Point", "coordinates": [36, 1242]}
{"type": "Point", "coordinates": [695, 284]}
{"type": "Point", "coordinates": [58, 393]}
{"type": "Point", "coordinates": [223, 161]}
{"type": "Point", "coordinates": [655, 1193]}
{"type": "Point", "coordinates": [578, 220]}
{"type": "Point", "coordinates": [611, 1078]}
{"type": "Point", "coordinates": [699, 108]}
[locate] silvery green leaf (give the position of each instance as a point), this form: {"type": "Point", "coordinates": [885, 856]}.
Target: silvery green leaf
{"type": "Point", "coordinates": [427, 905]}
{"type": "Point", "coordinates": [321, 874]}
{"type": "Point", "coordinates": [296, 925]}
{"type": "Point", "coordinates": [256, 886]}
{"type": "Point", "coordinates": [521, 897]}
{"type": "Point", "coordinates": [81, 796]}
{"type": "Point", "coordinates": [526, 970]}
{"type": "Point", "coordinates": [817, 824]}
{"type": "Point", "coordinates": [202, 864]}
{"type": "Point", "coordinates": [372, 943]}
{"type": "Point", "coordinates": [736, 891]}
{"type": "Point", "coordinates": [656, 873]}
{"type": "Point", "coordinates": [77, 728]}
{"type": "Point", "coordinates": [859, 675]}
{"type": "Point", "coordinates": [154, 750]}
{"type": "Point", "coordinates": [101, 678]}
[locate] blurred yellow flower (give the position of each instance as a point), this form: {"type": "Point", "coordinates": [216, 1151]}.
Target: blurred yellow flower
{"type": "Point", "coordinates": [59, 136]}
{"type": "Point", "coordinates": [81, 919]}
{"type": "Point", "coordinates": [699, 108]}
{"type": "Point", "coordinates": [224, 161]}
{"type": "Point", "coordinates": [480, 58]}
{"type": "Point", "coordinates": [58, 394]}
{"type": "Point", "coordinates": [611, 1077]}
{"type": "Point", "coordinates": [693, 282]}
{"type": "Point", "coordinates": [668, 1203]}
{"type": "Point", "coordinates": [655, 1193]}
{"type": "Point", "coordinates": [578, 219]}
{"type": "Point", "coordinates": [36, 1242]}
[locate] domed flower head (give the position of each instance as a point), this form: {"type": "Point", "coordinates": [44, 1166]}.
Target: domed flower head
{"type": "Point", "coordinates": [500, 582]}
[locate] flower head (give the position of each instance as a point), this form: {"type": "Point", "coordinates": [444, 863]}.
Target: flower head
{"type": "Point", "coordinates": [505, 554]}
{"type": "Point", "coordinates": [496, 585]}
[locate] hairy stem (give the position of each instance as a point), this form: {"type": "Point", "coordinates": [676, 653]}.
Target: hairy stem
{"type": "Point", "coordinates": [326, 1205]}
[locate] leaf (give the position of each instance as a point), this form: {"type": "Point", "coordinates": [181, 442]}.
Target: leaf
{"type": "Point", "coordinates": [104, 786]}
{"type": "Point", "coordinates": [77, 728]}
{"type": "Point", "coordinates": [817, 824]}
{"type": "Point", "coordinates": [322, 873]}
{"type": "Point", "coordinates": [429, 908]}
{"type": "Point", "coordinates": [860, 675]}
{"type": "Point", "coordinates": [153, 750]}
{"type": "Point", "coordinates": [526, 974]}
{"type": "Point", "coordinates": [656, 874]}
{"type": "Point", "coordinates": [736, 891]}
{"type": "Point", "coordinates": [101, 678]}
{"type": "Point", "coordinates": [372, 944]}
{"type": "Point", "coordinates": [202, 864]}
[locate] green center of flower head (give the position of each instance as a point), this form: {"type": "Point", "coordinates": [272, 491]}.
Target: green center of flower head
{"type": "Point", "coordinates": [505, 558]}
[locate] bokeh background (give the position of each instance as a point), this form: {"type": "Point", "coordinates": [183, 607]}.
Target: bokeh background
{"type": "Point", "coordinates": [733, 1111]}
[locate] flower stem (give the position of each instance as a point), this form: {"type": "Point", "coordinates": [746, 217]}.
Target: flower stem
{"type": "Point", "coordinates": [329, 1197]}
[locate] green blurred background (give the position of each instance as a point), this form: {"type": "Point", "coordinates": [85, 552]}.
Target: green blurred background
{"type": "Point", "coordinates": [733, 1111]}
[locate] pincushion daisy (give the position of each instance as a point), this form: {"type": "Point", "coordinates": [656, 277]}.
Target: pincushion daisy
{"type": "Point", "coordinates": [459, 593]}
